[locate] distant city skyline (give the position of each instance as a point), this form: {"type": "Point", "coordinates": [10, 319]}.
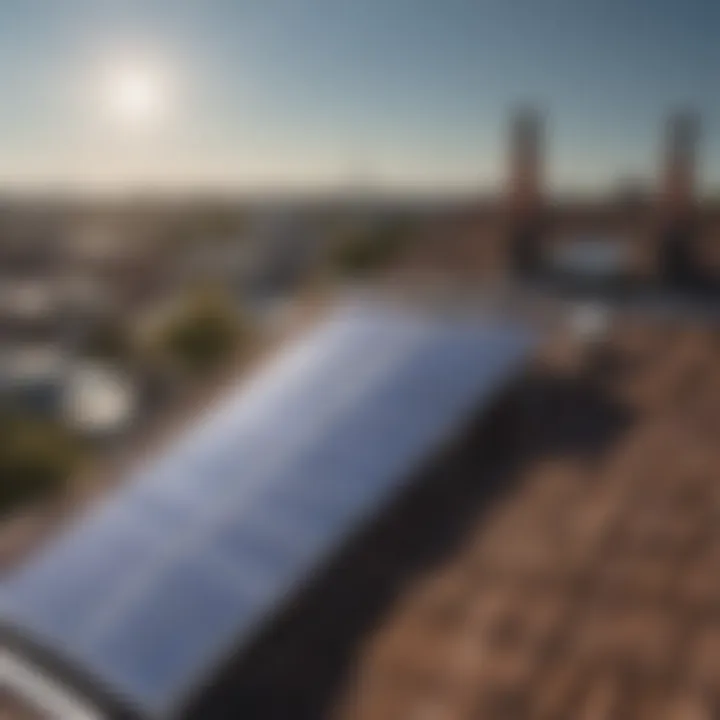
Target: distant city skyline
{"type": "Point", "coordinates": [319, 93]}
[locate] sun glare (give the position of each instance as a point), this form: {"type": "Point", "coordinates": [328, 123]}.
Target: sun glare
{"type": "Point", "coordinates": [135, 96]}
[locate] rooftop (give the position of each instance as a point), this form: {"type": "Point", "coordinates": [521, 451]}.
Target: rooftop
{"type": "Point", "coordinates": [590, 590]}
{"type": "Point", "coordinates": [558, 562]}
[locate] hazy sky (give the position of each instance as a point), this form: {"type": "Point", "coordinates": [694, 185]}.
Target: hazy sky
{"type": "Point", "coordinates": [316, 91]}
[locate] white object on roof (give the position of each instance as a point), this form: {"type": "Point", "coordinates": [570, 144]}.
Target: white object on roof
{"type": "Point", "coordinates": [99, 399]}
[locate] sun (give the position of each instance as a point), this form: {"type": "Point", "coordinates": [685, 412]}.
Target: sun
{"type": "Point", "coordinates": [135, 95]}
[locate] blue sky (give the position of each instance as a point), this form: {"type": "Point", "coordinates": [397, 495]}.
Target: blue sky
{"type": "Point", "coordinates": [404, 92]}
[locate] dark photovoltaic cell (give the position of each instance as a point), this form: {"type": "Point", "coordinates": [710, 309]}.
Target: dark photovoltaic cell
{"type": "Point", "coordinates": [155, 586]}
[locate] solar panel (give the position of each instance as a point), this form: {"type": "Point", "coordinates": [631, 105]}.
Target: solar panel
{"type": "Point", "coordinates": [152, 589]}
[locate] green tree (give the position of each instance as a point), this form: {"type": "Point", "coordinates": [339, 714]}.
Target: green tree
{"type": "Point", "coordinates": [203, 332]}
{"type": "Point", "coordinates": [37, 458]}
{"type": "Point", "coordinates": [367, 250]}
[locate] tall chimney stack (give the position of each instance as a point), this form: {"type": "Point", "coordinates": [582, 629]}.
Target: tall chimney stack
{"type": "Point", "coordinates": [677, 262]}
{"type": "Point", "coordinates": [525, 182]}
{"type": "Point", "coordinates": [678, 192]}
{"type": "Point", "coordinates": [524, 193]}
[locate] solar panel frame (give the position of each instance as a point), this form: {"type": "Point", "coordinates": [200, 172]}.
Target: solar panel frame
{"type": "Point", "coordinates": [473, 359]}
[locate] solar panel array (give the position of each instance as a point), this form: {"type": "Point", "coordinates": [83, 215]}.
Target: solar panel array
{"type": "Point", "coordinates": [154, 587]}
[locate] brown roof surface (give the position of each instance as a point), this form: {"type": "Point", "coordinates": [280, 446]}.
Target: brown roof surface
{"type": "Point", "coordinates": [12, 708]}
{"type": "Point", "coordinates": [592, 590]}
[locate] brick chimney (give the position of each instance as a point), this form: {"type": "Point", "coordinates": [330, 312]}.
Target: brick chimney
{"type": "Point", "coordinates": [678, 184]}
{"type": "Point", "coordinates": [525, 181]}
{"type": "Point", "coordinates": [524, 197]}
{"type": "Point", "coordinates": [677, 262]}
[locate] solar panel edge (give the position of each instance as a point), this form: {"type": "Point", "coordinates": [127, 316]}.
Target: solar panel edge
{"type": "Point", "coordinates": [72, 671]}
{"type": "Point", "coordinates": [163, 709]}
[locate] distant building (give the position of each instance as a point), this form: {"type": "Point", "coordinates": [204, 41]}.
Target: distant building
{"type": "Point", "coordinates": [32, 377]}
